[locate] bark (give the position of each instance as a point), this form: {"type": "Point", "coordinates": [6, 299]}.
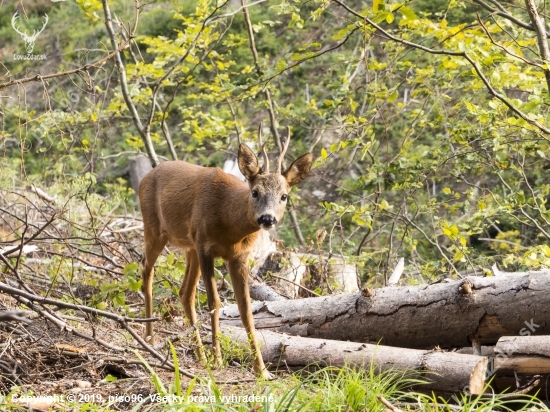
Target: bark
{"type": "Point", "coordinates": [444, 371]}
{"type": "Point", "coordinates": [542, 42]}
{"type": "Point", "coordinates": [528, 355]}
{"type": "Point", "coordinates": [260, 291]}
{"type": "Point", "coordinates": [139, 167]}
{"type": "Point", "coordinates": [446, 314]}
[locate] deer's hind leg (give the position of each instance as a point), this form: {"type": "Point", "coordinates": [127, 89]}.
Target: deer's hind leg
{"type": "Point", "coordinates": [187, 296]}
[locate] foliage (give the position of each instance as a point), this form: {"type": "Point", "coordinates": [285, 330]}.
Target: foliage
{"type": "Point", "coordinates": [428, 121]}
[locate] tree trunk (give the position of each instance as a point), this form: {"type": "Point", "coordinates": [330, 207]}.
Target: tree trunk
{"type": "Point", "coordinates": [140, 165]}
{"type": "Point", "coordinates": [444, 371]}
{"type": "Point", "coordinates": [446, 314]}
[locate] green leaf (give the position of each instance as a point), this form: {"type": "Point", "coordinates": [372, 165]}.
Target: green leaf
{"type": "Point", "coordinates": [110, 378]}
{"type": "Point", "coordinates": [408, 13]}
{"type": "Point", "coordinates": [131, 268]}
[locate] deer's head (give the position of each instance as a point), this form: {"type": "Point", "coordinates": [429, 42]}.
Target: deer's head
{"type": "Point", "coordinates": [269, 190]}
{"type": "Point", "coordinates": [29, 39]}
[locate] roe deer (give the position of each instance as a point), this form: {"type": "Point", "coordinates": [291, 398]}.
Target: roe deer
{"type": "Point", "coordinates": [210, 214]}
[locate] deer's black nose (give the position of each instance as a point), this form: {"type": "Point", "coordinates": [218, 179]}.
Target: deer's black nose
{"type": "Point", "coordinates": [267, 220]}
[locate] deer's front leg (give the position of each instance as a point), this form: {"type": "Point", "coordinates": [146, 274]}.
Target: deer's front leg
{"type": "Point", "coordinates": [238, 270]}
{"type": "Point", "coordinates": [214, 304]}
{"type": "Point", "coordinates": [187, 297]}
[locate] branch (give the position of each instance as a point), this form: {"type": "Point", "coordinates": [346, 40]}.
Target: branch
{"type": "Point", "coordinates": [272, 119]}
{"type": "Point", "coordinates": [14, 316]}
{"type": "Point", "coordinates": [39, 78]}
{"type": "Point", "coordinates": [540, 30]}
{"type": "Point", "coordinates": [388, 405]}
{"type": "Point", "coordinates": [64, 305]}
{"type": "Point", "coordinates": [503, 48]}
{"type": "Point", "coordinates": [30, 239]}
{"type": "Point", "coordinates": [475, 66]}
{"type": "Point", "coordinates": [502, 12]}
{"type": "Point", "coordinates": [124, 82]}
{"type": "Point", "coordinates": [222, 16]}
{"type": "Point", "coordinates": [156, 89]}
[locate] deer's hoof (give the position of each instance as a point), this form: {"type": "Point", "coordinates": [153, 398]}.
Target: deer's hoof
{"type": "Point", "coordinates": [150, 339]}
{"type": "Point", "coordinates": [266, 375]}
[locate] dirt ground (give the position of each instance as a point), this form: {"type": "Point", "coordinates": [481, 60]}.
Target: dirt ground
{"type": "Point", "coordinates": [44, 361]}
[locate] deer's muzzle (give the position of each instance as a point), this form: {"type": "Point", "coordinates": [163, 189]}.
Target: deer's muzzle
{"type": "Point", "coordinates": [267, 221]}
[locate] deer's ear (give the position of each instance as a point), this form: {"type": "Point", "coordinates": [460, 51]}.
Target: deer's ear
{"type": "Point", "coordinates": [299, 169]}
{"type": "Point", "coordinates": [248, 162]}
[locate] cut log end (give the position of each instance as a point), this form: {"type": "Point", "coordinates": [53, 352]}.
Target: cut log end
{"type": "Point", "coordinates": [477, 379]}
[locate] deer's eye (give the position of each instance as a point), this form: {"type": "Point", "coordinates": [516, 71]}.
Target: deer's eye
{"type": "Point", "coordinates": [255, 194]}
{"type": "Point", "coordinates": [284, 198]}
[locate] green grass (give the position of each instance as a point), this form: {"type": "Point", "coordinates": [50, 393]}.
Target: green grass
{"type": "Point", "coordinates": [347, 389]}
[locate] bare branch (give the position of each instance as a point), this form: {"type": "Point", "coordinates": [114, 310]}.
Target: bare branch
{"type": "Point", "coordinates": [271, 111]}
{"type": "Point", "coordinates": [542, 41]}
{"type": "Point", "coordinates": [502, 13]}
{"type": "Point", "coordinates": [473, 63]}
{"type": "Point", "coordinates": [85, 68]}
{"type": "Point", "coordinates": [14, 316]}
{"type": "Point", "coordinates": [124, 83]}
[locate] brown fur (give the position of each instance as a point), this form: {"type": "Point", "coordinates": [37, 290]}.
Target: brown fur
{"type": "Point", "coordinates": [211, 214]}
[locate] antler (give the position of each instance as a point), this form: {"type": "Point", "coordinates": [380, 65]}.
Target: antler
{"type": "Point", "coordinates": [262, 149]}
{"type": "Point", "coordinates": [283, 150]}
{"type": "Point", "coordinates": [25, 35]}
{"type": "Point", "coordinates": [13, 20]}
{"type": "Point", "coordinates": [35, 33]}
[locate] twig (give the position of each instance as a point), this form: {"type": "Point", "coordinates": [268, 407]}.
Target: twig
{"type": "Point", "coordinates": [272, 118]}
{"type": "Point", "coordinates": [39, 78]}
{"type": "Point", "coordinates": [504, 49]}
{"type": "Point", "coordinates": [502, 12]}
{"type": "Point", "coordinates": [26, 241]}
{"type": "Point", "coordinates": [15, 316]}
{"type": "Point", "coordinates": [388, 405]}
{"type": "Point", "coordinates": [63, 326]}
{"type": "Point", "coordinates": [294, 283]}
{"type": "Point", "coordinates": [81, 308]}
{"type": "Point", "coordinates": [124, 82]}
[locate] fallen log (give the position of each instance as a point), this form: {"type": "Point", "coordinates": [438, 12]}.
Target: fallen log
{"type": "Point", "coordinates": [261, 291]}
{"type": "Point", "coordinates": [524, 355]}
{"type": "Point", "coordinates": [443, 371]}
{"type": "Point", "coordinates": [449, 314]}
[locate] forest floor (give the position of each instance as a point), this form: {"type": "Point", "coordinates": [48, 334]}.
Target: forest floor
{"type": "Point", "coordinates": [78, 251]}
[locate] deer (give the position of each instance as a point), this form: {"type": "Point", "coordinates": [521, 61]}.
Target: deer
{"type": "Point", "coordinates": [29, 40]}
{"type": "Point", "coordinates": [210, 214]}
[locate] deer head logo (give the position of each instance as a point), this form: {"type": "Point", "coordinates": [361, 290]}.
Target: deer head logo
{"type": "Point", "coordinates": [29, 40]}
